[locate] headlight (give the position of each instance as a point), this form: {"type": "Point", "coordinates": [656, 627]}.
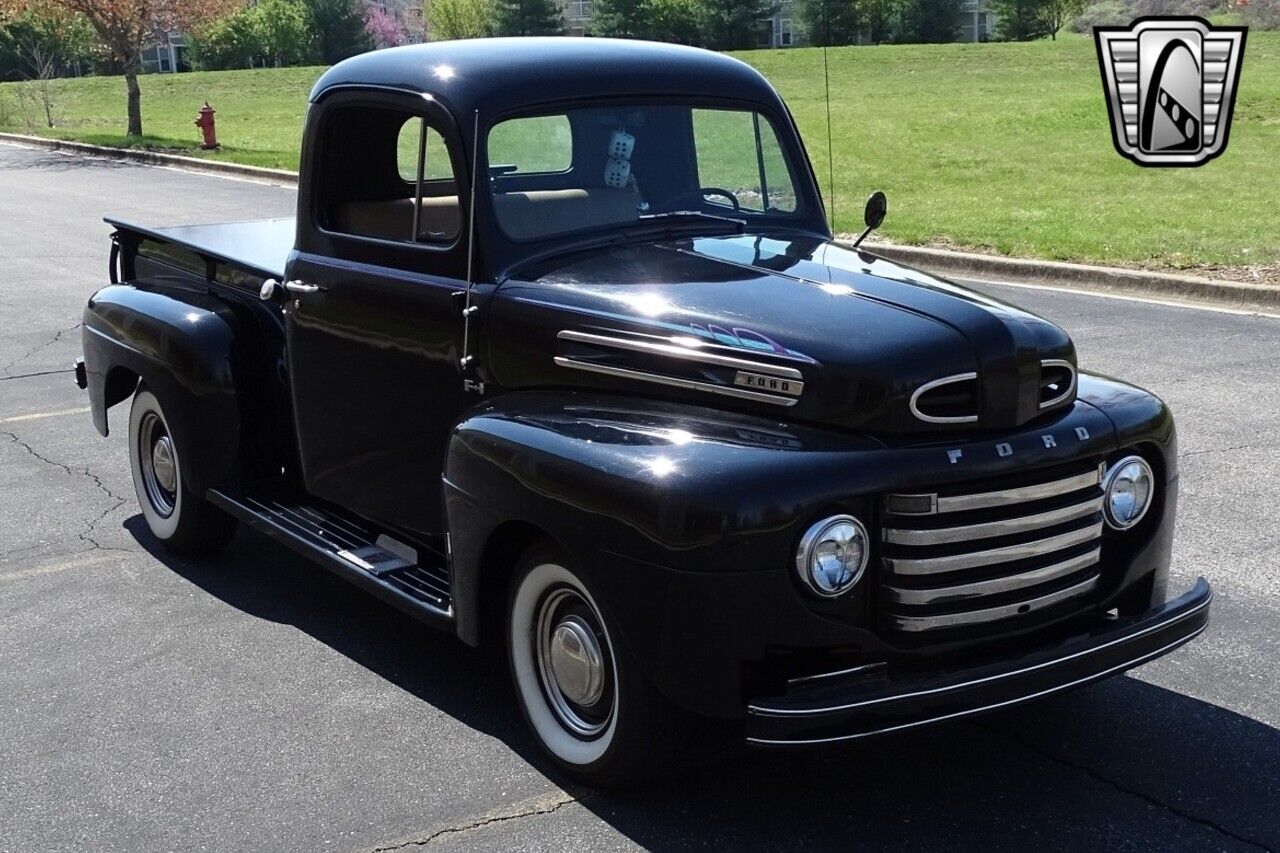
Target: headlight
{"type": "Point", "coordinates": [833, 555]}
{"type": "Point", "coordinates": [1128, 487]}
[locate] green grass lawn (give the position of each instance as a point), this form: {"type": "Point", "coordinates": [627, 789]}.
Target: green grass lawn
{"type": "Point", "coordinates": [999, 146]}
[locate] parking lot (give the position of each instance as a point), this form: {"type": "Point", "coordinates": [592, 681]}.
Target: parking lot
{"type": "Point", "coordinates": [254, 702]}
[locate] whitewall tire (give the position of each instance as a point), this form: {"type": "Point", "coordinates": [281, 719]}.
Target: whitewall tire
{"type": "Point", "coordinates": [178, 517]}
{"type": "Point", "coordinates": [591, 709]}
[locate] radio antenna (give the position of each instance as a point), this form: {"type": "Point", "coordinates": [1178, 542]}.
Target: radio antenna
{"type": "Point", "coordinates": [467, 359]}
{"type": "Point", "coordinates": [826, 81]}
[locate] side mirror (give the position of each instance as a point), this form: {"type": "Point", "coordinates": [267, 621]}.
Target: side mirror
{"type": "Point", "coordinates": [877, 207]}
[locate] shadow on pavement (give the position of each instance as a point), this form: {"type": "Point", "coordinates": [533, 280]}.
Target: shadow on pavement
{"type": "Point", "coordinates": [1120, 765]}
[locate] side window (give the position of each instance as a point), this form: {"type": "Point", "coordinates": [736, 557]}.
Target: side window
{"type": "Point", "coordinates": [369, 177]}
{"type": "Point", "coordinates": [532, 145]}
{"type": "Point", "coordinates": [738, 151]}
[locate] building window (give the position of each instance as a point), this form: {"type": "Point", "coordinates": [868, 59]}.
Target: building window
{"type": "Point", "coordinates": [578, 10]}
{"type": "Point", "coordinates": [764, 30]}
{"type": "Point", "coordinates": [784, 33]}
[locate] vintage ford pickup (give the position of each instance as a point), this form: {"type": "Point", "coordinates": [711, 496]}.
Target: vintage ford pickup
{"type": "Point", "coordinates": [559, 354]}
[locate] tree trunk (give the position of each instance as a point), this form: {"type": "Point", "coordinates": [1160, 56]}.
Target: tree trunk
{"type": "Point", "coordinates": [135, 97]}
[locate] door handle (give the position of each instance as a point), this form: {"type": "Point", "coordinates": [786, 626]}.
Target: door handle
{"type": "Point", "coordinates": [297, 286]}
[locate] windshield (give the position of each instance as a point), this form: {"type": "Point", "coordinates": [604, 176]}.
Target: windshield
{"type": "Point", "coordinates": [606, 168]}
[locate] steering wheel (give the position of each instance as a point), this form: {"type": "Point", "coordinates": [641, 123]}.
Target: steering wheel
{"type": "Point", "coordinates": [701, 193]}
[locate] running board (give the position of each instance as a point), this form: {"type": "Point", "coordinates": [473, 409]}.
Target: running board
{"type": "Point", "coordinates": [414, 581]}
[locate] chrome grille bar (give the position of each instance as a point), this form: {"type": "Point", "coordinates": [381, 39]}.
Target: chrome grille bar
{"type": "Point", "coordinates": [981, 567]}
{"type": "Point", "coordinates": [1007, 554]}
{"type": "Point", "coordinates": [988, 529]}
{"type": "Point", "coordinates": [992, 614]}
{"type": "Point", "coordinates": [1009, 497]}
{"type": "Point", "coordinates": [994, 586]}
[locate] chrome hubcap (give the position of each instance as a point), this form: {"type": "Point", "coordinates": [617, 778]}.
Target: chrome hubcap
{"type": "Point", "coordinates": [159, 464]}
{"type": "Point", "coordinates": [573, 663]}
{"type": "Point", "coordinates": [162, 461]}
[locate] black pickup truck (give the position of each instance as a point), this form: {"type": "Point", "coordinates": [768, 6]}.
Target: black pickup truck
{"type": "Point", "coordinates": [559, 354]}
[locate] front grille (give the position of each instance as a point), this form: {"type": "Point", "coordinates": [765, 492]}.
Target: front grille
{"type": "Point", "coordinates": [1013, 551]}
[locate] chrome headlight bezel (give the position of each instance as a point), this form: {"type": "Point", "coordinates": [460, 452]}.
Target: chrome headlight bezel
{"type": "Point", "coordinates": [1108, 482]}
{"type": "Point", "coordinates": [813, 537]}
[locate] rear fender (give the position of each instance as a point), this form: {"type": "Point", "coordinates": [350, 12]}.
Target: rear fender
{"type": "Point", "coordinates": [182, 346]}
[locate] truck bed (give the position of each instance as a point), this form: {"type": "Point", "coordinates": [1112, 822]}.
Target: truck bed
{"type": "Point", "coordinates": [261, 245]}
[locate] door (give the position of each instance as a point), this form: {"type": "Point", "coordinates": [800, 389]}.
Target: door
{"type": "Point", "coordinates": [374, 325]}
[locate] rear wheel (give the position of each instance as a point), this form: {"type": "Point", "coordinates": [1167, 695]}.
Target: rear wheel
{"type": "Point", "coordinates": [182, 520]}
{"type": "Point", "coordinates": [591, 709]}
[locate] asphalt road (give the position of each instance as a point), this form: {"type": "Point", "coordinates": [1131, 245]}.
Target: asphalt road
{"type": "Point", "coordinates": [256, 703]}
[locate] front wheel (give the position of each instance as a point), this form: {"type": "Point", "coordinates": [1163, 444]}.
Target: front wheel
{"type": "Point", "coordinates": [590, 707]}
{"type": "Point", "coordinates": [182, 520]}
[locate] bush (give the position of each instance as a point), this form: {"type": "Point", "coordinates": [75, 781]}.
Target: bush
{"type": "Point", "coordinates": [274, 32]}
{"type": "Point", "coordinates": [1119, 13]}
{"type": "Point", "coordinates": [461, 19]}
{"type": "Point", "coordinates": [1262, 14]}
{"type": "Point", "coordinates": [1108, 13]}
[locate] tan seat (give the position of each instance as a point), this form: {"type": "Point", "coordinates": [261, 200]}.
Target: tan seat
{"type": "Point", "coordinates": [439, 219]}
{"type": "Point", "coordinates": [541, 213]}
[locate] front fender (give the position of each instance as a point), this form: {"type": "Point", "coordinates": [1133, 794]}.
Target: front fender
{"type": "Point", "coordinates": [686, 519]}
{"type": "Point", "coordinates": [182, 348]}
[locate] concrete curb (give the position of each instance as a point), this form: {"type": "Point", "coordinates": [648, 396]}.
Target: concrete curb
{"type": "Point", "coordinates": [155, 158]}
{"type": "Point", "coordinates": [1084, 277]}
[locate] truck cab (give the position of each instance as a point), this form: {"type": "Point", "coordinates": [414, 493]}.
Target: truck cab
{"type": "Point", "coordinates": [559, 354]}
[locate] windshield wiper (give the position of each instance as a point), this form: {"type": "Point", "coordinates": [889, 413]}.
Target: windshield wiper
{"type": "Point", "coordinates": [693, 215]}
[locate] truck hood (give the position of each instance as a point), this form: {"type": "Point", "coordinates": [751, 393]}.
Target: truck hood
{"type": "Point", "coordinates": [801, 329]}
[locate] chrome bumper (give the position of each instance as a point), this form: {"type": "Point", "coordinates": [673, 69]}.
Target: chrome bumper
{"type": "Point", "coordinates": [862, 704]}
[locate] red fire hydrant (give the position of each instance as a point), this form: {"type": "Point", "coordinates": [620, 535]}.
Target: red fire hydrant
{"type": "Point", "coordinates": [205, 123]}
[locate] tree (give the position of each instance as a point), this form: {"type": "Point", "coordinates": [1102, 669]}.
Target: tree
{"type": "Point", "coordinates": [230, 42]}
{"type": "Point", "coordinates": [673, 21]}
{"type": "Point", "coordinates": [620, 18]}
{"type": "Point", "coordinates": [1024, 20]}
{"type": "Point", "coordinates": [43, 32]}
{"type": "Point", "coordinates": [1020, 20]}
{"type": "Point", "coordinates": [1058, 13]}
{"type": "Point", "coordinates": [123, 28]}
{"type": "Point", "coordinates": [272, 32]}
{"type": "Point", "coordinates": [831, 22]}
{"type": "Point", "coordinates": [877, 16]}
{"type": "Point", "coordinates": [529, 18]}
{"type": "Point", "coordinates": [339, 29]}
{"type": "Point", "coordinates": [460, 19]}
{"type": "Point", "coordinates": [383, 28]}
{"type": "Point", "coordinates": [283, 29]}
{"type": "Point", "coordinates": [925, 21]}
{"type": "Point", "coordinates": [732, 24]}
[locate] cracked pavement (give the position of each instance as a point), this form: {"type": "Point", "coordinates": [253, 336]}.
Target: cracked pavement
{"type": "Point", "coordinates": [254, 702]}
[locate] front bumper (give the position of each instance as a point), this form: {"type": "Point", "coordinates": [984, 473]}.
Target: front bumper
{"type": "Point", "coordinates": [865, 702]}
